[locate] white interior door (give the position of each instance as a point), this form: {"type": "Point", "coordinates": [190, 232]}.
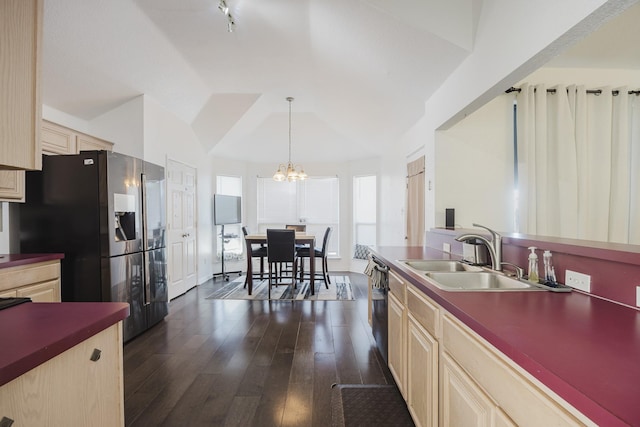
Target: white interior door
{"type": "Point", "coordinates": [181, 228]}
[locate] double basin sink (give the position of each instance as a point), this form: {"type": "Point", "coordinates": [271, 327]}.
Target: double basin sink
{"type": "Point", "coordinates": [457, 276]}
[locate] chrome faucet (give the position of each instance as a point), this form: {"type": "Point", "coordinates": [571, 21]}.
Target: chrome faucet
{"type": "Point", "coordinates": [494, 245]}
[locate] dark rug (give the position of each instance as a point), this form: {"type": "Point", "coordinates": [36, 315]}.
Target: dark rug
{"type": "Point", "coordinates": [368, 405]}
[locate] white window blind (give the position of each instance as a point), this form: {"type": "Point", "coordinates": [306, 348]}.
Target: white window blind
{"type": "Point", "coordinates": [314, 202]}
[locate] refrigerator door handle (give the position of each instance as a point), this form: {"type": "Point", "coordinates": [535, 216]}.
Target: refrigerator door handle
{"type": "Point", "coordinates": [145, 242]}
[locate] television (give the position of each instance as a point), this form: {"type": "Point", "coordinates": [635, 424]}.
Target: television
{"type": "Point", "coordinates": [226, 209]}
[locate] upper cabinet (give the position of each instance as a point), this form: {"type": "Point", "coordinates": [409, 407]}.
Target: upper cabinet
{"type": "Point", "coordinates": [58, 139]}
{"type": "Point", "coordinates": [20, 106]}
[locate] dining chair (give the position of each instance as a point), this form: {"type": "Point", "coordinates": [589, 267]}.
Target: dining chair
{"type": "Point", "coordinates": [257, 251]}
{"type": "Point", "coordinates": [281, 248]}
{"type": "Point", "coordinates": [320, 254]}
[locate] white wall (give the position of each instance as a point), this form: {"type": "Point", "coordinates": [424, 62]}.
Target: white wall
{"type": "Point", "coordinates": [474, 172]}
{"type": "Point", "coordinates": [513, 40]}
{"type": "Point", "coordinates": [123, 126]}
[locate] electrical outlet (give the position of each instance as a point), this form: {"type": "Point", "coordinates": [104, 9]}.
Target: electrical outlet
{"type": "Point", "coordinates": [637, 296]}
{"type": "Point", "coordinates": [446, 247]}
{"type": "Point", "coordinates": [578, 280]}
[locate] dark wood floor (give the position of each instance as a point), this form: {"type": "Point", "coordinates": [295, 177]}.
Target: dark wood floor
{"type": "Point", "coordinates": [242, 363]}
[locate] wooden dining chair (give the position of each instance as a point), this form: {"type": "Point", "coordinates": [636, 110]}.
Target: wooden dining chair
{"type": "Point", "coordinates": [300, 228]}
{"type": "Point", "coordinates": [280, 249]}
{"type": "Point", "coordinates": [257, 251]}
{"type": "Point", "coordinates": [320, 254]}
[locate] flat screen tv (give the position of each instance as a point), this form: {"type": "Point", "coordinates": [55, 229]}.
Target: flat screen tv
{"type": "Point", "coordinates": [226, 209]}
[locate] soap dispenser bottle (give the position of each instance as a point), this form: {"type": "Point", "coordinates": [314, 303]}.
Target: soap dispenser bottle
{"type": "Point", "coordinates": [533, 265]}
{"type": "Point", "coordinates": [549, 272]}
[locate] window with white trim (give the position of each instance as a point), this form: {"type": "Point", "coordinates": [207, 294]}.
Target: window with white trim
{"type": "Point", "coordinates": [314, 202]}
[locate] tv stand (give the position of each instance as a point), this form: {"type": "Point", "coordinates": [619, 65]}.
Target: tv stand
{"type": "Point", "coordinates": [224, 274]}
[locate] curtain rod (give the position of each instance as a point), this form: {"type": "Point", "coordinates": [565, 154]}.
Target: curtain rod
{"type": "Point", "coordinates": [593, 91]}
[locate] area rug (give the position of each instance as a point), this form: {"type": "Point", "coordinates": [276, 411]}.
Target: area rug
{"type": "Point", "coordinates": [368, 405]}
{"type": "Point", "coordinates": [339, 289]}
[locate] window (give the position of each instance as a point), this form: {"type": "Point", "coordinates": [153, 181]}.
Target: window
{"type": "Point", "coordinates": [364, 213]}
{"type": "Point", "coordinates": [233, 241]}
{"type": "Point", "coordinates": [314, 202]}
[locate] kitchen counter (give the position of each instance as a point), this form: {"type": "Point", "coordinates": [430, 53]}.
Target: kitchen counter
{"type": "Point", "coordinates": [33, 333]}
{"type": "Point", "coordinates": [13, 260]}
{"type": "Point", "coordinates": [583, 348]}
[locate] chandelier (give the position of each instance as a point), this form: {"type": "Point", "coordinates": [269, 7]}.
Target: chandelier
{"type": "Point", "coordinates": [290, 172]}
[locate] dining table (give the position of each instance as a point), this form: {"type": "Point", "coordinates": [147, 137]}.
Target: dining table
{"type": "Point", "coordinates": [301, 239]}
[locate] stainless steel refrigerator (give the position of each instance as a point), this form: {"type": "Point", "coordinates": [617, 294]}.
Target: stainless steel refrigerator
{"type": "Point", "coordinates": [106, 212]}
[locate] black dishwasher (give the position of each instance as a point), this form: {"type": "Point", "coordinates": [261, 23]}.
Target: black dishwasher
{"type": "Point", "coordinates": [379, 274]}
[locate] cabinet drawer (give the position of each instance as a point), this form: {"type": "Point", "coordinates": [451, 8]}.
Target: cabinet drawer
{"type": "Point", "coordinates": [397, 286]}
{"type": "Point", "coordinates": [425, 312]}
{"type": "Point", "coordinates": [527, 401]}
{"type": "Point", "coordinates": [15, 277]}
{"type": "Point", "coordinates": [48, 291]}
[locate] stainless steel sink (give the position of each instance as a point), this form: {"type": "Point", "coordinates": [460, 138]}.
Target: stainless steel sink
{"type": "Point", "coordinates": [478, 281]}
{"type": "Point", "coordinates": [422, 265]}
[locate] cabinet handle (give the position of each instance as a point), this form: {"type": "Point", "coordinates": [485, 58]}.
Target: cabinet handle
{"type": "Point", "coordinates": [95, 356]}
{"type": "Point", "coordinates": [6, 422]}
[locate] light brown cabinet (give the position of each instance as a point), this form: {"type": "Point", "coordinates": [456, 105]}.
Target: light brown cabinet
{"type": "Point", "coordinates": [450, 376]}
{"type": "Point", "coordinates": [12, 186]}
{"type": "Point", "coordinates": [55, 139]}
{"type": "Point", "coordinates": [20, 106]}
{"type": "Point", "coordinates": [76, 388]}
{"type": "Point", "coordinates": [39, 281]}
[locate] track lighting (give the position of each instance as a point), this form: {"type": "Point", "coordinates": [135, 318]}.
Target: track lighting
{"type": "Point", "coordinates": [222, 6]}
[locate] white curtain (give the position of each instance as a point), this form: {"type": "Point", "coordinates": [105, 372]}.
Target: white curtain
{"type": "Point", "coordinates": [578, 162]}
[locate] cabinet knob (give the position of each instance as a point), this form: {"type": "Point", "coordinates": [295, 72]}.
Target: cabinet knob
{"type": "Point", "coordinates": [6, 422]}
{"type": "Point", "coordinates": [95, 356]}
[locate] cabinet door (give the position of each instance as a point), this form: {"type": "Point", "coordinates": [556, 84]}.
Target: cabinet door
{"type": "Point", "coordinates": [422, 374]}
{"type": "Point", "coordinates": [74, 388]}
{"type": "Point", "coordinates": [12, 186]}
{"type": "Point", "coordinates": [397, 342]}
{"type": "Point", "coordinates": [20, 106]}
{"type": "Point", "coordinates": [86, 143]}
{"type": "Point", "coordinates": [463, 402]}
{"type": "Point", "coordinates": [42, 292]}
{"type": "Point", "coordinates": [57, 139]}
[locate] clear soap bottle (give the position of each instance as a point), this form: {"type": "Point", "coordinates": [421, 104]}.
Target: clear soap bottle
{"type": "Point", "coordinates": [549, 272]}
{"type": "Point", "coordinates": [533, 265]}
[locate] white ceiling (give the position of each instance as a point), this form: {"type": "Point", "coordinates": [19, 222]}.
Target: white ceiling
{"type": "Point", "coordinates": [359, 70]}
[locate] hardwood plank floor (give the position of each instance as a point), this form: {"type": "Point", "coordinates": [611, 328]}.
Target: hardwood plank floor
{"type": "Point", "coordinates": [249, 363]}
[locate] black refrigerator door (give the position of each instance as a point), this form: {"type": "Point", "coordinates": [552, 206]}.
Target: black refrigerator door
{"type": "Point", "coordinates": [156, 294]}
{"type": "Point", "coordinates": [127, 285]}
{"type": "Point", "coordinates": [124, 219]}
{"type": "Point", "coordinates": [153, 206]}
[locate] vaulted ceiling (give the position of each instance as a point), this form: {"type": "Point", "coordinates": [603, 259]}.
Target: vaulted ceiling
{"type": "Point", "coordinates": [359, 70]}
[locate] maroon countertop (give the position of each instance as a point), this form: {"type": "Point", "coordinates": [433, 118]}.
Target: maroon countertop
{"type": "Point", "coordinates": [585, 349]}
{"type": "Point", "coordinates": [12, 260]}
{"type": "Point", "coordinates": [32, 333]}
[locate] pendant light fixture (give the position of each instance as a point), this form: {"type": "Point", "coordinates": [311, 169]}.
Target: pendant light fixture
{"type": "Point", "coordinates": [290, 172]}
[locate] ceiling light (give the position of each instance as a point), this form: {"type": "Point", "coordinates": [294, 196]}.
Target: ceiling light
{"type": "Point", "coordinates": [222, 6]}
{"type": "Point", "coordinates": [290, 172]}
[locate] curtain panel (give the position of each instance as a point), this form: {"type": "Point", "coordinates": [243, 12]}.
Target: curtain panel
{"type": "Point", "coordinates": [415, 202]}
{"type": "Point", "coordinates": [578, 159]}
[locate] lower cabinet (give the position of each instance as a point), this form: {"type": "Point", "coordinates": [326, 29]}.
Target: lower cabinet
{"type": "Point", "coordinates": [39, 281]}
{"type": "Point", "coordinates": [397, 339]}
{"type": "Point", "coordinates": [75, 388]}
{"type": "Point", "coordinates": [422, 374]}
{"type": "Point", "coordinates": [450, 376]}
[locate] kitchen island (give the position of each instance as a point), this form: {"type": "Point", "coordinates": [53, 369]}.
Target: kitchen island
{"type": "Point", "coordinates": [576, 348]}
{"type": "Point", "coordinates": [61, 363]}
